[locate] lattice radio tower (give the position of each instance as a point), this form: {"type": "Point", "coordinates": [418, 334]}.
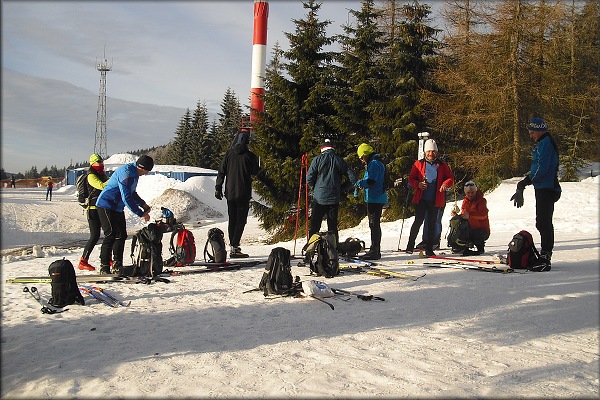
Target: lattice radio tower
{"type": "Point", "coordinates": [100, 142]}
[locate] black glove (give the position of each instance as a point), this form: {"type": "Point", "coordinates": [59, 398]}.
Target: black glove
{"type": "Point", "coordinates": [523, 183]}
{"type": "Point", "coordinates": [518, 198]}
{"type": "Point", "coordinates": [219, 194]}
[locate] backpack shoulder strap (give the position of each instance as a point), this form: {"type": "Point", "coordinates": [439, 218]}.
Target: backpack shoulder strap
{"type": "Point", "coordinates": [207, 256]}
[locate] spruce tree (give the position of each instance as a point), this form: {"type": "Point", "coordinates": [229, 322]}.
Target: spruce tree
{"type": "Point", "coordinates": [229, 122]}
{"type": "Point", "coordinates": [199, 148]}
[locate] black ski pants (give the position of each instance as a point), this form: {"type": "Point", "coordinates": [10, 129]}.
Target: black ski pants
{"type": "Point", "coordinates": [95, 225]}
{"type": "Point", "coordinates": [544, 212]}
{"type": "Point", "coordinates": [424, 207]}
{"type": "Point", "coordinates": [238, 216]}
{"type": "Point", "coordinates": [115, 234]}
{"type": "Point", "coordinates": [374, 211]}
{"type": "Point", "coordinates": [316, 218]}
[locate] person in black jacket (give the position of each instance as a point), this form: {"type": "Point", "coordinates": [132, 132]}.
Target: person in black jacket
{"type": "Point", "coordinates": [324, 176]}
{"type": "Point", "coordinates": [236, 170]}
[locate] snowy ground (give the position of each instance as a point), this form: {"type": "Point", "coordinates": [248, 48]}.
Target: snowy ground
{"type": "Point", "coordinates": [451, 333]}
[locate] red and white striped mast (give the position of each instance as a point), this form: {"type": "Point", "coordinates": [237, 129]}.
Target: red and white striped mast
{"type": "Point", "coordinates": [259, 58]}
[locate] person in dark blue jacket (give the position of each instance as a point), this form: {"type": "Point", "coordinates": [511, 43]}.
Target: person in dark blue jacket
{"type": "Point", "coordinates": [118, 193]}
{"type": "Point", "coordinates": [324, 177]}
{"type": "Point", "coordinates": [236, 170]}
{"type": "Point", "coordinates": [544, 177]}
{"type": "Point", "coordinates": [374, 194]}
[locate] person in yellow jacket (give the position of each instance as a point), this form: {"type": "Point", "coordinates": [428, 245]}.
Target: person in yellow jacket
{"type": "Point", "coordinates": [96, 180]}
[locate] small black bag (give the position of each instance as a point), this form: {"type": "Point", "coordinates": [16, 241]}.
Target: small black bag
{"type": "Point", "coordinates": [216, 241]}
{"type": "Point", "coordinates": [64, 284]}
{"type": "Point", "coordinates": [148, 261]}
{"type": "Point", "coordinates": [277, 277]}
{"type": "Point", "coordinates": [351, 247]}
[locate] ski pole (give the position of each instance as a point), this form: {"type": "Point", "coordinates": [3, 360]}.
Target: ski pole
{"type": "Point", "coordinates": [403, 215]}
{"type": "Point", "coordinates": [363, 297]}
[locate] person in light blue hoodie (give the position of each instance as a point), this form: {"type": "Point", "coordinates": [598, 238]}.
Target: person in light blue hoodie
{"type": "Point", "coordinates": [375, 196]}
{"type": "Point", "coordinates": [120, 191]}
{"type": "Point", "coordinates": [543, 175]}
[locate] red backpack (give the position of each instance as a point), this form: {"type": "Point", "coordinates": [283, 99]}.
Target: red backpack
{"type": "Point", "coordinates": [522, 253]}
{"type": "Point", "coordinates": [184, 252]}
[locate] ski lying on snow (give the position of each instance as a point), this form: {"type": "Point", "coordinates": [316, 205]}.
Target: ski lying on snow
{"type": "Point", "coordinates": [247, 263]}
{"type": "Point", "coordinates": [214, 267]}
{"type": "Point", "coordinates": [471, 266]}
{"type": "Point", "coordinates": [98, 296]}
{"type": "Point", "coordinates": [93, 278]}
{"type": "Point", "coordinates": [384, 273]}
{"type": "Point", "coordinates": [107, 295]}
{"type": "Point", "coordinates": [471, 260]}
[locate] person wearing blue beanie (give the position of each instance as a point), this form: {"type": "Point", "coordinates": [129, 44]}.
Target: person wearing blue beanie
{"type": "Point", "coordinates": [543, 175]}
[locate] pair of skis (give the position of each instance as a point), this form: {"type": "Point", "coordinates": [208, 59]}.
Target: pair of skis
{"type": "Point", "coordinates": [484, 265]}
{"type": "Point", "coordinates": [92, 278]}
{"type": "Point", "coordinates": [103, 296]}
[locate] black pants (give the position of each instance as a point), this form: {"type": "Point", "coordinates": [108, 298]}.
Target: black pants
{"type": "Point", "coordinates": [238, 216]}
{"type": "Point", "coordinates": [94, 224]}
{"type": "Point", "coordinates": [478, 237]}
{"type": "Point", "coordinates": [115, 234]}
{"type": "Point", "coordinates": [544, 212]}
{"type": "Point", "coordinates": [424, 207]}
{"type": "Point", "coordinates": [316, 218]}
{"type": "Point", "coordinates": [374, 211]}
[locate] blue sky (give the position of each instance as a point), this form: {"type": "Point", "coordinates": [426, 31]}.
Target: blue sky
{"type": "Point", "coordinates": [165, 54]}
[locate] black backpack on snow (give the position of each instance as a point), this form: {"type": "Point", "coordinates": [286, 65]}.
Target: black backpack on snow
{"type": "Point", "coordinates": [350, 247]}
{"type": "Point", "coordinates": [458, 236]}
{"type": "Point", "coordinates": [64, 284]}
{"type": "Point", "coordinates": [277, 277]}
{"type": "Point", "coordinates": [218, 251]}
{"type": "Point", "coordinates": [522, 253]}
{"type": "Point", "coordinates": [323, 254]}
{"type": "Point", "coordinates": [148, 259]}
{"type": "Point", "coordinates": [82, 190]}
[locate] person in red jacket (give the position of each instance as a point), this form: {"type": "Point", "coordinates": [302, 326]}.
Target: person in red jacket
{"type": "Point", "coordinates": [430, 178]}
{"type": "Point", "coordinates": [474, 209]}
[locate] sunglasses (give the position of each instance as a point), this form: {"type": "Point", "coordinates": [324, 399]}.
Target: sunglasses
{"type": "Point", "coordinates": [469, 184]}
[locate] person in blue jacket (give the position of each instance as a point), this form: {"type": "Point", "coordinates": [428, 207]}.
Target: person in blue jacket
{"type": "Point", "coordinates": [120, 191]}
{"type": "Point", "coordinates": [374, 194]}
{"type": "Point", "coordinates": [544, 178]}
{"type": "Point", "coordinates": [324, 177]}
